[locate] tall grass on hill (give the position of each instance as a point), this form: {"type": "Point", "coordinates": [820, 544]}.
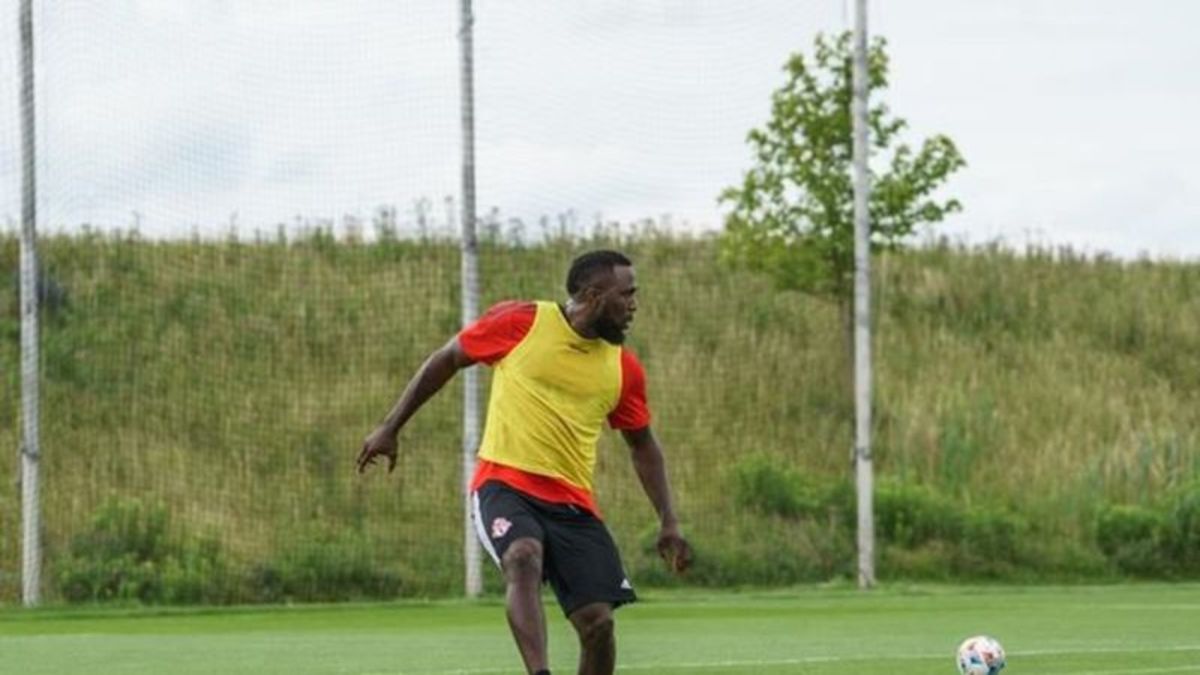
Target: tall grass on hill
{"type": "Point", "coordinates": [1020, 398]}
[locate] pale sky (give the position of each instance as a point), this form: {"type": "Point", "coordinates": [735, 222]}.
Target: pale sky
{"type": "Point", "coordinates": [1077, 118]}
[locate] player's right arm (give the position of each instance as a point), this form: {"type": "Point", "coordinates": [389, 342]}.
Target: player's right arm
{"type": "Point", "coordinates": [429, 379]}
{"type": "Point", "coordinates": [487, 340]}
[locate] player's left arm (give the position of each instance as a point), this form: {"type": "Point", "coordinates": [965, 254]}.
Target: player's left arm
{"type": "Point", "coordinates": [651, 467]}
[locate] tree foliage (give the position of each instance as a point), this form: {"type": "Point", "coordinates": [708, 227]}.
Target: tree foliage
{"type": "Point", "coordinates": [793, 214]}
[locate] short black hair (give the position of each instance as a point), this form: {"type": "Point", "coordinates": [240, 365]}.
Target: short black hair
{"type": "Point", "coordinates": [588, 266]}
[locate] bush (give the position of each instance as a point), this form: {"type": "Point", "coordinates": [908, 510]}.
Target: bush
{"type": "Point", "coordinates": [920, 532]}
{"type": "Point", "coordinates": [1132, 538]}
{"type": "Point", "coordinates": [765, 485]}
{"type": "Point", "coordinates": [763, 551]}
{"type": "Point", "coordinates": [994, 534]}
{"type": "Point", "coordinates": [992, 543]}
{"type": "Point", "coordinates": [324, 567]}
{"type": "Point", "coordinates": [911, 515]}
{"type": "Point", "coordinates": [1182, 540]}
{"type": "Point", "coordinates": [129, 553]}
{"type": "Point", "coordinates": [1163, 540]}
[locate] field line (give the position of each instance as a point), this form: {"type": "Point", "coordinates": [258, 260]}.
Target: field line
{"type": "Point", "coordinates": [1133, 649]}
{"type": "Point", "coordinates": [1194, 668]}
{"type": "Point", "coordinates": [813, 660]}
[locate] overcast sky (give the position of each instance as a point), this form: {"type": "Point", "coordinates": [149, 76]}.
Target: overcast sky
{"type": "Point", "coordinates": [1077, 118]}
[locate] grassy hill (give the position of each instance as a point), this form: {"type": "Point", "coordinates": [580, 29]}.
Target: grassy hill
{"type": "Point", "coordinates": [1037, 416]}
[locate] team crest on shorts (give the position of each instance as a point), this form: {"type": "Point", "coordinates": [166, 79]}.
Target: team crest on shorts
{"type": "Point", "coordinates": [500, 527]}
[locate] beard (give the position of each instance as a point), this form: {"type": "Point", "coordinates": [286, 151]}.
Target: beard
{"type": "Point", "coordinates": [609, 331]}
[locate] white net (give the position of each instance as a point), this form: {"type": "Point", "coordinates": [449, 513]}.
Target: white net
{"type": "Point", "coordinates": [248, 215]}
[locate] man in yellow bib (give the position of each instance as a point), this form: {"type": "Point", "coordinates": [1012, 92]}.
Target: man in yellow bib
{"type": "Point", "coordinates": [560, 373]}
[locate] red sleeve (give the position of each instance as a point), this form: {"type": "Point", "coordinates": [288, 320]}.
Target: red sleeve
{"type": "Point", "coordinates": [632, 411]}
{"type": "Point", "coordinates": [492, 336]}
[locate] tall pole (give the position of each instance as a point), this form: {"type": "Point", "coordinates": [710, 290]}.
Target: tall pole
{"type": "Point", "coordinates": [470, 300]}
{"type": "Point", "coordinates": [31, 548]}
{"type": "Point", "coordinates": [864, 478]}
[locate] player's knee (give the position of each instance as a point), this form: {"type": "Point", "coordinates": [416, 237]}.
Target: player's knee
{"type": "Point", "coordinates": [595, 625]}
{"type": "Point", "coordinates": [523, 559]}
{"type": "Point", "coordinates": [600, 631]}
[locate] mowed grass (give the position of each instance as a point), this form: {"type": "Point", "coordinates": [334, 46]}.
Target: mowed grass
{"type": "Point", "coordinates": [896, 630]}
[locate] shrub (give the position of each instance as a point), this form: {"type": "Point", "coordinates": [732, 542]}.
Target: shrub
{"type": "Point", "coordinates": [766, 550]}
{"type": "Point", "coordinates": [766, 485]}
{"type": "Point", "coordinates": [992, 543]}
{"type": "Point", "coordinates": [920, 532]}
{"type": "Point", "coordinates": [910, 515]}
{"type": "Point", "coordinates": [323, 567]}
{"type": "Point", "coordinates": [1159, 540]}
{"type": "Point", "coordinates": [1132, 538]}
{"type": "Point", "coordinates": [1181, 529]}
{"type": "Point", "coordinates": [129, 553]}
{"type": "Point", "coordinates": [994, 534]}
{"type": "Point", "coordinates": [1182, 532]}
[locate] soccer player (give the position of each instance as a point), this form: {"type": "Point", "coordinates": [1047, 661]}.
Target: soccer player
{"type": "Point", "coordinates": [560, 372]}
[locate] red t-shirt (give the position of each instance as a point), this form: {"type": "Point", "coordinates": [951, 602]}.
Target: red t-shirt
{"type": "Point", "coordinates": [492, 338]}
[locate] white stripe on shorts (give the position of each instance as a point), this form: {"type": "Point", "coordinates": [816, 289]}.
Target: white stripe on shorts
{"type": "Point", "coordinates": [480, 530]}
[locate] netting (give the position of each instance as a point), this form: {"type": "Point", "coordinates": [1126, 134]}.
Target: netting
{"type": "Point", "coordinates": [249, 236]}
{"type": "Point", "coordinates": [249, 218]}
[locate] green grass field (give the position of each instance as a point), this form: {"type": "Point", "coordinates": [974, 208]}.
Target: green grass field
{"type": "Point", "coordinates": [896, 630]}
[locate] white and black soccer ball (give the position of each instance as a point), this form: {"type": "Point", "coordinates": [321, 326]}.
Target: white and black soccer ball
{"type": "Point", "coordinates": [980, 655]}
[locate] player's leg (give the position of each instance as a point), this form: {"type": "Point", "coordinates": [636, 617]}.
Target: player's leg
{"type": "Point", "coordinates": [597, 641]}
{"type": "Point", "coordinates": [510, 531]}
{"type": "Point", "coordinates": [522, 565]}
{"type": "Point", "coordinates": [584, 568]}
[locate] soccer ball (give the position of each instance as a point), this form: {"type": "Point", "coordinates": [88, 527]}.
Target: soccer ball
{"type": "Point", "coordinates": [980, 655]}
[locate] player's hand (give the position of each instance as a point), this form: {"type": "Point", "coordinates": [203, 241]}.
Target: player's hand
{"type": "Point", "coordinates": [380, 443]}
{"type": "Point", "coordinates": [674, 549]}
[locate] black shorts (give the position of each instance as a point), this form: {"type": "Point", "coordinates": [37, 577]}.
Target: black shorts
{"type": "Point", "coordinates": [580, 559]}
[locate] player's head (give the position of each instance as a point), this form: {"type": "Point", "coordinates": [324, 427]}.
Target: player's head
{"type": "Point", "coordinates": [602, 282]}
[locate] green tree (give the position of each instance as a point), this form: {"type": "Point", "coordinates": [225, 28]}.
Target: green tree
{"type": "Point", "coordinates": [793, 214]}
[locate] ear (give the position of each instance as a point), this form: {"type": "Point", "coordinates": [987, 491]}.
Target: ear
{"type": "Point", "coordinates": [589, 295]}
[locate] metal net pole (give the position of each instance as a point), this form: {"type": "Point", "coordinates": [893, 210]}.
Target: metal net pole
{"type": "Point", "coordinates": [862, 308]}
{"type": "Point", "coordinates": [30, 442]}
{"type": "Point", "coordinates": [470, 300]}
